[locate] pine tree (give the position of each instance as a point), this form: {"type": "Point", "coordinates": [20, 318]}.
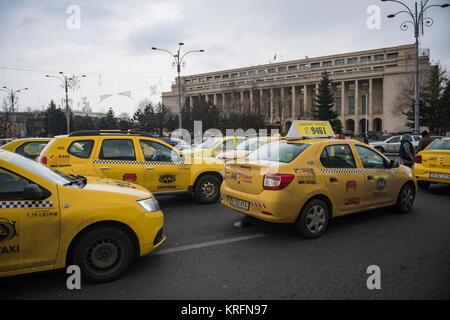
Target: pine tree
{"type": "Point", "coordinates": [323, 104]}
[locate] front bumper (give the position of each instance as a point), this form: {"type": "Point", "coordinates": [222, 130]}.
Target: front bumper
{"type": "Point", "coordinates": [148, 229]}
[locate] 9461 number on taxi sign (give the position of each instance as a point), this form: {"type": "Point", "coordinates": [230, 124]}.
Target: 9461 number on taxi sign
{"type": "Point", "coordinates": [318, 130]}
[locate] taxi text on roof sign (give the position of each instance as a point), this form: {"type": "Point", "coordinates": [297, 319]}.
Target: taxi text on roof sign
{"type": "Point", "coordinates": [303, 129]}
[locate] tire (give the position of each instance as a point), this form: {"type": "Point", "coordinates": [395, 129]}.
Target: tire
{"type": "Point", "coordinates": [207, 189]}
{"type": "Point", "coordinates": [405, 198]}
{"type": "Point", "coordinates": [424, 185]}
{"type": "Point", "coordinates": [103, 254]}
{"type": "Point", "coordinates": [313, 219]}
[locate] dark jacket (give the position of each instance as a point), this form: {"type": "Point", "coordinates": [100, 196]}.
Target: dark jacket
{"type": "Point", "coordinates": [406, 150]}
{"type": "Point", "coordinates": [424, 142]}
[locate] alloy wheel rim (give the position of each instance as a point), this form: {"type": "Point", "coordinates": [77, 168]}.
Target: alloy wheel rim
{"type": "Point", "coordinates": [208, 189]}
{"type": "Point", "coordinates": [316, 219]}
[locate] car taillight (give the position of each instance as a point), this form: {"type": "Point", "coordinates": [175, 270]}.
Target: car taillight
{"type": "Point", "coordinates": [418, 158]}
{"type": "Point", "coordinates": [44, 160]}
{"type": "Point", "coordinates": [277, 181]}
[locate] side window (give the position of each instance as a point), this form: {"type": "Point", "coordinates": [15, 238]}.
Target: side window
{"type": "Point", "coordinates": [337, 156]}
{"type": "Point", "coordinates": [31, 149]}
{"type": "Point", "coordinates": [81, 149]}
{"type": "Point", "coordinates": [239, 141]}
{"type": "Point", "coordinates": [117, 149]}
{"type": "Point", "coordinates": [11, 185]}
{"type": "Point", "coordinates": [394, 140]}
{"type": "Point", "coordinates": [229, 144]}
{"type": "Point", "coordinates": [370, 159]}
{"type": "Point", "coordinates": [154, 151]}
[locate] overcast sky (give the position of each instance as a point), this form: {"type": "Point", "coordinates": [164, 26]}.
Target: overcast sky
{"type": "Point", "coordinates": [112, 45]}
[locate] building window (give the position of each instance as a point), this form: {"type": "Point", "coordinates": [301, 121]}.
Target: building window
{"type": "Point", "coordinates": [303, 66]}
{"type": "Point", "coordinates": [364, 104]}
{"type": "Point", "coordinates": [315, 65]}
{"type": "Point", "coordinates": [209, 78]}
{"type": "Point", "coordinates": [225, 76]}
{"type": "Point", "coordinates": [243, 74]}
{"type": "Point", "coordinates": [351, 105]}
{"type": "Point", "coordinates": [187, 81]}
{"type": "Point", "coordinates": [252, 73]}
{"type": "Point", "coordinates": [351, 87]}
{"type": "Point", "coordinates": [261, 72]}
{"type": "Point", "coordinates": [269, 111]}
{"type": "Point", "coordinates": [391, 66]}
{"type": "Point", "coordinates": [327, 63]}
{"type": "Point", "coordinates": [366, 59]}
{"type": "Point", "coordinates": [272, 70]}
{"type": "Point", "coordinates": [365, 85]}
{"type": "Point", "coordinates": [292, 68]}
{"type": "Point", "coordinates": [352, 60]}
{"type": "Point", "coordinates": [290, 109]}
{"type": "Point", "coordinates": [202, 79]}
{"type": "Point", "coordinates": [339, 62]}
{"type": "Point", "coordinates": [338, 87]}
{"type": "Point", "coordinates": [234, 75]}
{"type": "Point", "coordinates": [379, 57]}
{"type": "Point", "coordinates": [302, 90]}
{"type": "Point", "coordinates": [392, 55]}
{"type": "Point", "coordinates": [281, 69]}
{"type": "Point", "coordinates": [338, 72]}
{"type": "Point", "coordinates": [217, 77]}
{"type": "Point", "coordinates": [338, 105]}
{"type": "Point", "coordinates": [194, 80]}
{"type": "Point", "coordinates": [280, 109]}
{"type": "Point", "coordinates": [302, 108]}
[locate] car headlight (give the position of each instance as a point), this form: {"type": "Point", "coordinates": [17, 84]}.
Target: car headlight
{"type": "Point", "coordinates": [150, 205]}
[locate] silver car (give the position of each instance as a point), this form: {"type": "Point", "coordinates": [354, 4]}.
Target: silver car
{"type": "Point", "coordinates": [392, 144]}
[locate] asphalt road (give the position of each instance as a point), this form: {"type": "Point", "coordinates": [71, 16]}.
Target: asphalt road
{"type": "Point", "coordinates": [207, 256]}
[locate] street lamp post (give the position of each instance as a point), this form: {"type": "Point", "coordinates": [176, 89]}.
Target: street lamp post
{"type": "Point", "coordinates": [417, 20]}
{"type": "Point", "coordinates": [65, 80]}
{"type": "Point", "coordinates": [178, 59]}
{"type": "Point", "coordinates": [12, 96]}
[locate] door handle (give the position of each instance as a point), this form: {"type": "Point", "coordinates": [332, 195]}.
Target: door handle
{"type": "Point", "coordinates": [150, 168]}
{"type": "Point", "coordinates": [105, 168]}
{"type": "Point", "coordinates": [333, 179]}
{"type": "Point", "coordinates": [369, 177]}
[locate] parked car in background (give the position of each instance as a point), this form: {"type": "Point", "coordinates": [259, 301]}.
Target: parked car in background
{"type": "Point", "coordinates": [4, 141]}
{"type": "Point", "coordinates": [179, 144]}
{"type": "Point", "coordinates": [392, 144]}
{"type": "Point", "coordinates": [28, 147]}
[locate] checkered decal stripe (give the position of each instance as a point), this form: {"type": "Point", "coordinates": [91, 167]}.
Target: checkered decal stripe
{"type": "Point", "coordinates": [26, 204]}
{"type": "Point", "coordinates": [355, 170]}
{"type": "Point", "coordinates": [142, 162]}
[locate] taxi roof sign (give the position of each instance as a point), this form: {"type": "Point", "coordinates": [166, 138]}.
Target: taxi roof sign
{"type": "Point", "coordinates": [305, 129]}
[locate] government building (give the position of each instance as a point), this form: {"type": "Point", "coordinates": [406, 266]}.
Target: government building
{"type": "Point", "coordinates": [365, 85]}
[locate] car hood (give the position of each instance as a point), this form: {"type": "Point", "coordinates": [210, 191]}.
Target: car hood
{"type": "Point", "coordinates": [116, 186]}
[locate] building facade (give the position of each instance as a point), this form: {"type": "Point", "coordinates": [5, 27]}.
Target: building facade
{"type": "Point", "coordinates": [365, 86]}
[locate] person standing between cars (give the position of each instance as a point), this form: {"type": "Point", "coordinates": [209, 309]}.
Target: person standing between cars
{"type": "Point", "coordinates": [425, 141]}
{"type": "Point", "coordinates": [406, 151]}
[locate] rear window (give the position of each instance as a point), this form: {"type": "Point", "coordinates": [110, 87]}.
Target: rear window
{"type": "Point", "coordinates": [31, 149]}
{"type": "Point", "coordinates": [279, 151]}
{"type": "Point", "coordinates": [117, 149]}
{"type": "Point", "coordinates": [440, 145]}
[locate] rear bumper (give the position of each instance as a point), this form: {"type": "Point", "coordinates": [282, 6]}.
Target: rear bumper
{"type": "Point", "coordinates": [423, 174]}
{"type": "Point", "coordinates": [271, 206]}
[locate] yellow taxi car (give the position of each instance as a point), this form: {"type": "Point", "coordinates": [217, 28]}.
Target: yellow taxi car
{"type": "Point", "coordinates": [45, 226]}
{"type": "Point", "coordinates": [135, 157]}
{"type": "Point", "coordinates": [213, 146]}
{"type": "Point", "coordinates": [311, 177]}
{"type": "Point", "coordinates": [432, 165]}
{"type": "Point", "coordinates": [245, 148]}
{"type": "Point", "coordinates": [28, 147]}
{"type": "Point", "coordinates": [4, 141]}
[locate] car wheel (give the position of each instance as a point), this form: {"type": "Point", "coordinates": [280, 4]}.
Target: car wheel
{"type": "Point", "coordinates": [103, 254]}
{"type": "Point", "coordinates": [313, 219]}
{"type": "Point", "coordinates": [405, 199]}
{"type": "Point", "coordinates": [207, 189]}
{"type": "Point", "coordinates": [424, 185]}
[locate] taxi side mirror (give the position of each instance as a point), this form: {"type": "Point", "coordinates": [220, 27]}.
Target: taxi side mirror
{"type": "Point", "coordinates": [182, 158]}
{"type": "Point", "coordinates": [32, 192]}
{"type": "Point", "coordinates": [394, 164]}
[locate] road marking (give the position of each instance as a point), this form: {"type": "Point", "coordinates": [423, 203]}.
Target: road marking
{"type": "Point", "coordinates": [209, 244]}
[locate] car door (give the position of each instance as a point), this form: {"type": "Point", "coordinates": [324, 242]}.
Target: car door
{"type": "Point", "coordinates": [393, 144]}
{"type": "Point", "coordinates": [116, 159]}
{"type": "Point", "coordinates": [163, 169]}
{"type": "Point", "coordinates": [379, 177]}
{"type": "Point", "coordinates": [342, 177]}
{"type": "Point", "coordinates": [29, 229]}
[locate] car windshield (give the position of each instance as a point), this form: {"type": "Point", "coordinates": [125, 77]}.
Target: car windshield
{"type": "Point", "coordinates": [40, 170]}
{"type": "Point", "coordinates": [251, 144]}
{"type": "Point", "coordinates": [279, 151]}
{"type": "Point", "coordinates": [440, 145]}
{"type": "Point", "coordinates": [208, 144]}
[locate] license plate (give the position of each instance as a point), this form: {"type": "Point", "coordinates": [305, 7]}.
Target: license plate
{"type": "Point", "coordinates": [443, 176]}
{"type": "Point", "coordinates": [241, 204]}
